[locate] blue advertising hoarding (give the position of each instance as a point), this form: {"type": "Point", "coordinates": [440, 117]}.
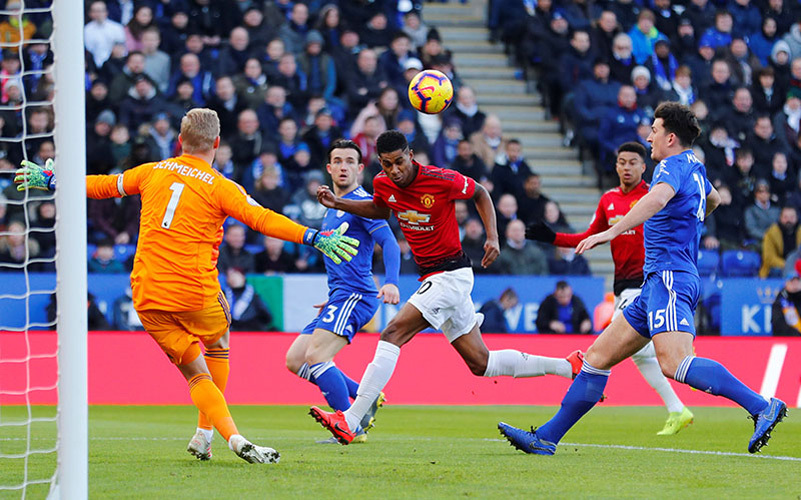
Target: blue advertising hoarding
{"type": "Point", "coordinates": [746, 305]}
{"type": "Point", "coordinates": [530, 289]}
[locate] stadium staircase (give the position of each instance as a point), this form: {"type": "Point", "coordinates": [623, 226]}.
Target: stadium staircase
{"type": "Point", "coordinates": [499, 90]}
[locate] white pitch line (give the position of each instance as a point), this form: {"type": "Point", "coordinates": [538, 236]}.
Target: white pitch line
{"type": "Point", "coordinates": [679, 450]}
{"type": "Point", "coordinates": [580, 445]}
{"type": "Point", "coordinates": [672, 450]}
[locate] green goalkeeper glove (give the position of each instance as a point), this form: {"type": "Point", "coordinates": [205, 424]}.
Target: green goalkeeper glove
{"type": "Point", "coordinates": [33, 176]}
{"type": "Point", "coordinates": [333, 243]}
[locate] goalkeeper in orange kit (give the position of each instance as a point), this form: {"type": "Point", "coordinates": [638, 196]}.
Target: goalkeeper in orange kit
{"type": "Point", "coordinates": [174, 279]}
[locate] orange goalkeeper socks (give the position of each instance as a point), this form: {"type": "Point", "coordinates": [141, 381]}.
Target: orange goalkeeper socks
{"type": "Point", "coordinates": [211, 402]}
{"type": "Point", "coordinates": [217, 362]}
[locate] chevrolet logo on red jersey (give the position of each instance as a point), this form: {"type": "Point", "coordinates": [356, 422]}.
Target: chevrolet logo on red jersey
{"type": "Point", "coordinates": [413, 218]}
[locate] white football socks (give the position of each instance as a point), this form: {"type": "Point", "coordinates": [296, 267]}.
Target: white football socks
{"type": "Point", "coordinates": [235, 442]}
{"type": "Point", "coordinates": [519, 364]}
{"type": "Point", "coordinates": [652, 372]}
{"type": "Point", "coordinates": [208, 433]}
{"type": "Point", "coordinates": [375, 377]}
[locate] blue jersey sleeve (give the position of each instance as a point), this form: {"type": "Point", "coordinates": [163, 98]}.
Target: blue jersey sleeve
{"type": "Point", "coordinates": [391, 251]}
{"type": "Point", "coordinates": [670, 173]}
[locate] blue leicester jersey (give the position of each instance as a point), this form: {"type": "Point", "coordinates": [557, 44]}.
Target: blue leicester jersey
{"type": "Point", "coordinates": [672, 235]}
{"type": "Point", "coordinates": [356, 275]}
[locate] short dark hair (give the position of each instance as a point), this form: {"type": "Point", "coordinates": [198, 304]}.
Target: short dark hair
{"type": "Point", "coordinates": [579, 30]}
{"type": "Point", "coordinates": [344, 144]}
{"type": "Point", "coordinates": [513, 141]}
{"type": "Point", "coordinates": [401, 34]}
{"type": "Point", "coordinates": [391, 140]}
{"type": "Point", "coordinates": [562, 284]}
{"type": "Point", "coordinates": [680, 120]}
{"type": "Point", "coordinates": [633, 147]}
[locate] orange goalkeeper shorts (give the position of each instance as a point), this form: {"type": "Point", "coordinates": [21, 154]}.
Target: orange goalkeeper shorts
{"type": "Point", "coordinates": [177, 332]}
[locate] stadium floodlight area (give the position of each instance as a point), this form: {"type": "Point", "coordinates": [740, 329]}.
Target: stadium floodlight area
{"type": "Point", "coordinates": [44, 449]}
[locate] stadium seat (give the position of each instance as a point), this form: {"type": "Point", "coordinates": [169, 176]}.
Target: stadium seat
{"type": "Point", "coordinates": [740, 263]}
{"type": "Point", "coordinates": [124, 252]}
{"type": "Point", "coordinates": [254, 248]}
{"type": "Point", "coordinates": [708, 261]}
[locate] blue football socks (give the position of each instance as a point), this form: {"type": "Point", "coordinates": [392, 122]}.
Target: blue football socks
{"type": "Point", "coordinates": [332, 383]}
{"type": "Point", "coordinates": [585, 391]}
{"type": "Point", "coordinates": [353, 386]}
{"type": "Point", "coordinates": [712, 377]}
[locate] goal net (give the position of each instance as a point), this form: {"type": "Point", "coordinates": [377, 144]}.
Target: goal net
{"type": "Point", "coordinates": [43, 376]}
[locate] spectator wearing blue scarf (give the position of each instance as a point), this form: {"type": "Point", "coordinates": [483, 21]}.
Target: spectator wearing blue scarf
{"type": "Point", "coordinates": [662, 64]}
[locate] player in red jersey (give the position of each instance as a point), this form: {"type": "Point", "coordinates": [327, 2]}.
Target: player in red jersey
{"type": "Point", "coordinates": [628, 253]}
{"type": "Point", "coordinates": [422, 198]}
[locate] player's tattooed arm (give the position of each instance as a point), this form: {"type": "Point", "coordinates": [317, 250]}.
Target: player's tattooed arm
{"type": "Point", "coordinates": [486, 209]}
{"type": "Point", "coordinates": [362, 208]}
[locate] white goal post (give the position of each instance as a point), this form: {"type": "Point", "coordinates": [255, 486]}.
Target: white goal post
{"type": "Point", "coordinates": [72, 478]}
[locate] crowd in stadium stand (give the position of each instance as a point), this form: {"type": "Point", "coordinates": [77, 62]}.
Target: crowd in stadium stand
{"type": "Point", "coordinates": [288, 77]}
{"type": "Point", "coordinates": [604, 66]}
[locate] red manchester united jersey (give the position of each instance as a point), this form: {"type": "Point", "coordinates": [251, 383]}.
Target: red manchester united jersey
{"type": "Point", "coordinates": [628, 250]}
{"type": "Point", "coordinates": [425, 211]}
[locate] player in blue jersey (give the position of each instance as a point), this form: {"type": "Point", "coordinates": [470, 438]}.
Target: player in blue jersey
{"type": "Point", "coordinates": [673, 212]}
{"type": "Point", "coordinates": [352, 294]}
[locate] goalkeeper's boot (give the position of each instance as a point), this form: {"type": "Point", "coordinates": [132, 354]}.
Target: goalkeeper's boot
{"type": "Point", "coordinates": [368, 420]}
{"type": "Point", "coordinates": [335, 423]}
{"type": "Point", "coordinates": [677, 420]}
{"type": "Point", "coordinates": [526, 441]}
{"type": "Point", "coordinates": [253, 453]}
{"type": "Point", "coordinates": [200, 446]}
{"type": "Point", "coordinates": [764, 422]}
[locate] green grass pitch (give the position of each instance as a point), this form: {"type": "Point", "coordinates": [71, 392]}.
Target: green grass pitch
{"type": "Point", "coordinates": [421, 452]}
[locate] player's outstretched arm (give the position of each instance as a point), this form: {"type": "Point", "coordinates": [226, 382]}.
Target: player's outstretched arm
{"type": "Point", "coordinates": [650, 204]}
{"type": "Point", "coordinates": [539, 231]}
{"type": "Point", "coordinates": [34, 176]}
{"type": "Point", "coordinates": [333, 243]}
{"type": "Point", "coordinates": [486, 210]}
{"type": "Point", "coordinates": [362, 208]}
{"type": "Point", "coordinates": [235, 202]}
{"type": "Point", "coordinates": [391, 252]}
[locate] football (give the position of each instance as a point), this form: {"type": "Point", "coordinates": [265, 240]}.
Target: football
{"type": "Point", "coordinates": [430, 91]}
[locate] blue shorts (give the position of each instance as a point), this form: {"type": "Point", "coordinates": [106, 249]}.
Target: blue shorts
{"type": "Point", "coordinates": [666, 304]}
{"type": "Point", "coordinates": [345, 313]}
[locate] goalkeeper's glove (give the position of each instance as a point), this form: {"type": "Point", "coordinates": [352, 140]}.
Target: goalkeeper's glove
{"type": "Point", "coordinates": [333, 243]}
{"type": "Point", "coordinates": [33, 176]}
{"type": "Point", "coordinates": [540, 232]}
